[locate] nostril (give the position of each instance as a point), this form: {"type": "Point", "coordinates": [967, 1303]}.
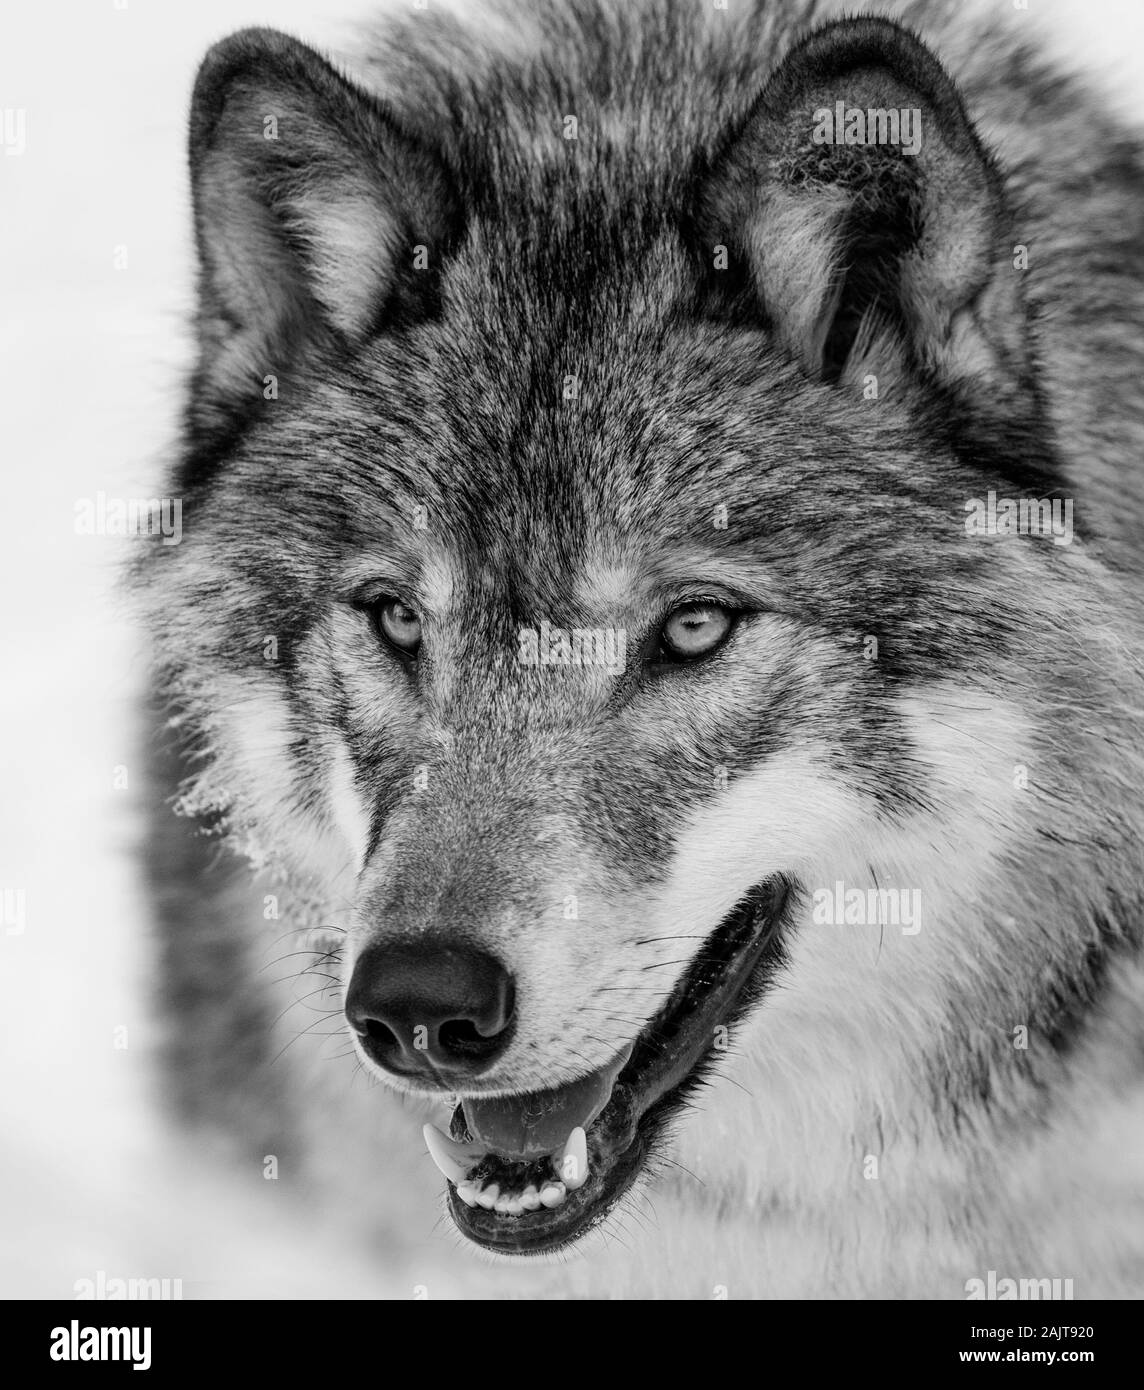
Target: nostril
{"type": "Point", "coordinates": [461, 1038]}
{"type": "Point", "coordinates": [377, 1033]}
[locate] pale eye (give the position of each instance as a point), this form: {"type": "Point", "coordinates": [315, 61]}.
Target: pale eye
{"type": "Point", "coordinates": [695, 630]}
{"type": "Point", "coordinates": [399, 625]}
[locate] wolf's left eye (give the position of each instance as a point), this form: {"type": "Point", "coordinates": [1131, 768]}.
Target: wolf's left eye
{"type": "Point", "coordinates": [398, 624]}
{"type": "Point", "coordinates": [695, 630]}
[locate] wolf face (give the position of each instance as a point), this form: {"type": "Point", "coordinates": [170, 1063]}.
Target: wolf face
{"type": "Point", "coordinates": [575, 585]}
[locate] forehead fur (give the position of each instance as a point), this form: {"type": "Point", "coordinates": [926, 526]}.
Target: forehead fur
{"type": "Point", "coordinates": [573, 384]}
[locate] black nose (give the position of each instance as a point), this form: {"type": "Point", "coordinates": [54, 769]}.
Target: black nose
{"type": "Point", "coordinates": [430, 1013]}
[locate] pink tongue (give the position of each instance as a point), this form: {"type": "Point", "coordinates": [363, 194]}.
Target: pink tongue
{"type": "Point", "coordinates": [537, 1124]}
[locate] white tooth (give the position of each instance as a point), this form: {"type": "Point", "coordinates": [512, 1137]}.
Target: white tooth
{"type": "Point", "coordinates": [454, 1160]}
{"type": "Point", "coordinates": [530, 1198]}
{"type": "Point", "coordinates": [552, 1194]}
{"type": "Point", "coordinates": [571, 1163]}
{"type": "Point", "coordinates": [460, 1153]}
{"type": "Point", "coordinates": [487, 1196]}
{"type": "Point", "coordinates": [508, 1204]}
{"type": "Point", "coordinates": [467, 1193]}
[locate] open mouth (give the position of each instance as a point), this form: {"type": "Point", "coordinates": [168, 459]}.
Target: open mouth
{"type": "Point", "coordinates": [529, 1174]}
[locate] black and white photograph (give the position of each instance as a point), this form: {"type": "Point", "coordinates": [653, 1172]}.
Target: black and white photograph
{"type": "Point", "coordinates": [573, 691]}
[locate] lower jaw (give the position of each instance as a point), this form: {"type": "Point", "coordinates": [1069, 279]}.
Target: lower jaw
{"type": "Point", "coordinates": [652, 1087]}
{"type": "Point", "coordinates": [541, 1232]}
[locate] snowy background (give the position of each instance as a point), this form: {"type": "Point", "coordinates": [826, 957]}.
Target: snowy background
{"type": "Point", "coordinates": [91, 356]}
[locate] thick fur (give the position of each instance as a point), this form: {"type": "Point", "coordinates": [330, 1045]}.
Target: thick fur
{"type": "Point", "coordinates": [877, 1128]}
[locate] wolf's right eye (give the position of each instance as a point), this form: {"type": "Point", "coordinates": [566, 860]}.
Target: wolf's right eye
{"type": "Point", "coordinates": [397, 624]}
{"type": "Point", "coordinates": [694, 631]}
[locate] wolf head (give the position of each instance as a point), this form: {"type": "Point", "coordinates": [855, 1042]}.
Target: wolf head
{"type": "Point", "coordinates": [576, 591]}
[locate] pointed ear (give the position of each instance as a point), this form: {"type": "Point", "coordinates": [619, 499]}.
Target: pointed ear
{"type": "Point", "coordinates": [317, 217]}
{"type": "Point", "coordinates": [879, 239]}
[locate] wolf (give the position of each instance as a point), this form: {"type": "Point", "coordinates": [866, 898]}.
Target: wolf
{"type": "Point", "coordinates": [573, 320]}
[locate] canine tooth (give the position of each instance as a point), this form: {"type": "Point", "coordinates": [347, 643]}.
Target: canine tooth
{"type": "Point", "coordinates": [461, 1153]}
{"type": "Point", "coordinates": [530, 1198]}
{"type": "Point", "coordinates": [571, 1163]}
{"type": "Point", "coordinates": [452, 1159]}
{"type": "Point", "coordinates": [552, 1194]}
{"type": "Point", "coordinates": [487, 1197]}
{"type": "Point", "coordinates": [468, 1193]}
